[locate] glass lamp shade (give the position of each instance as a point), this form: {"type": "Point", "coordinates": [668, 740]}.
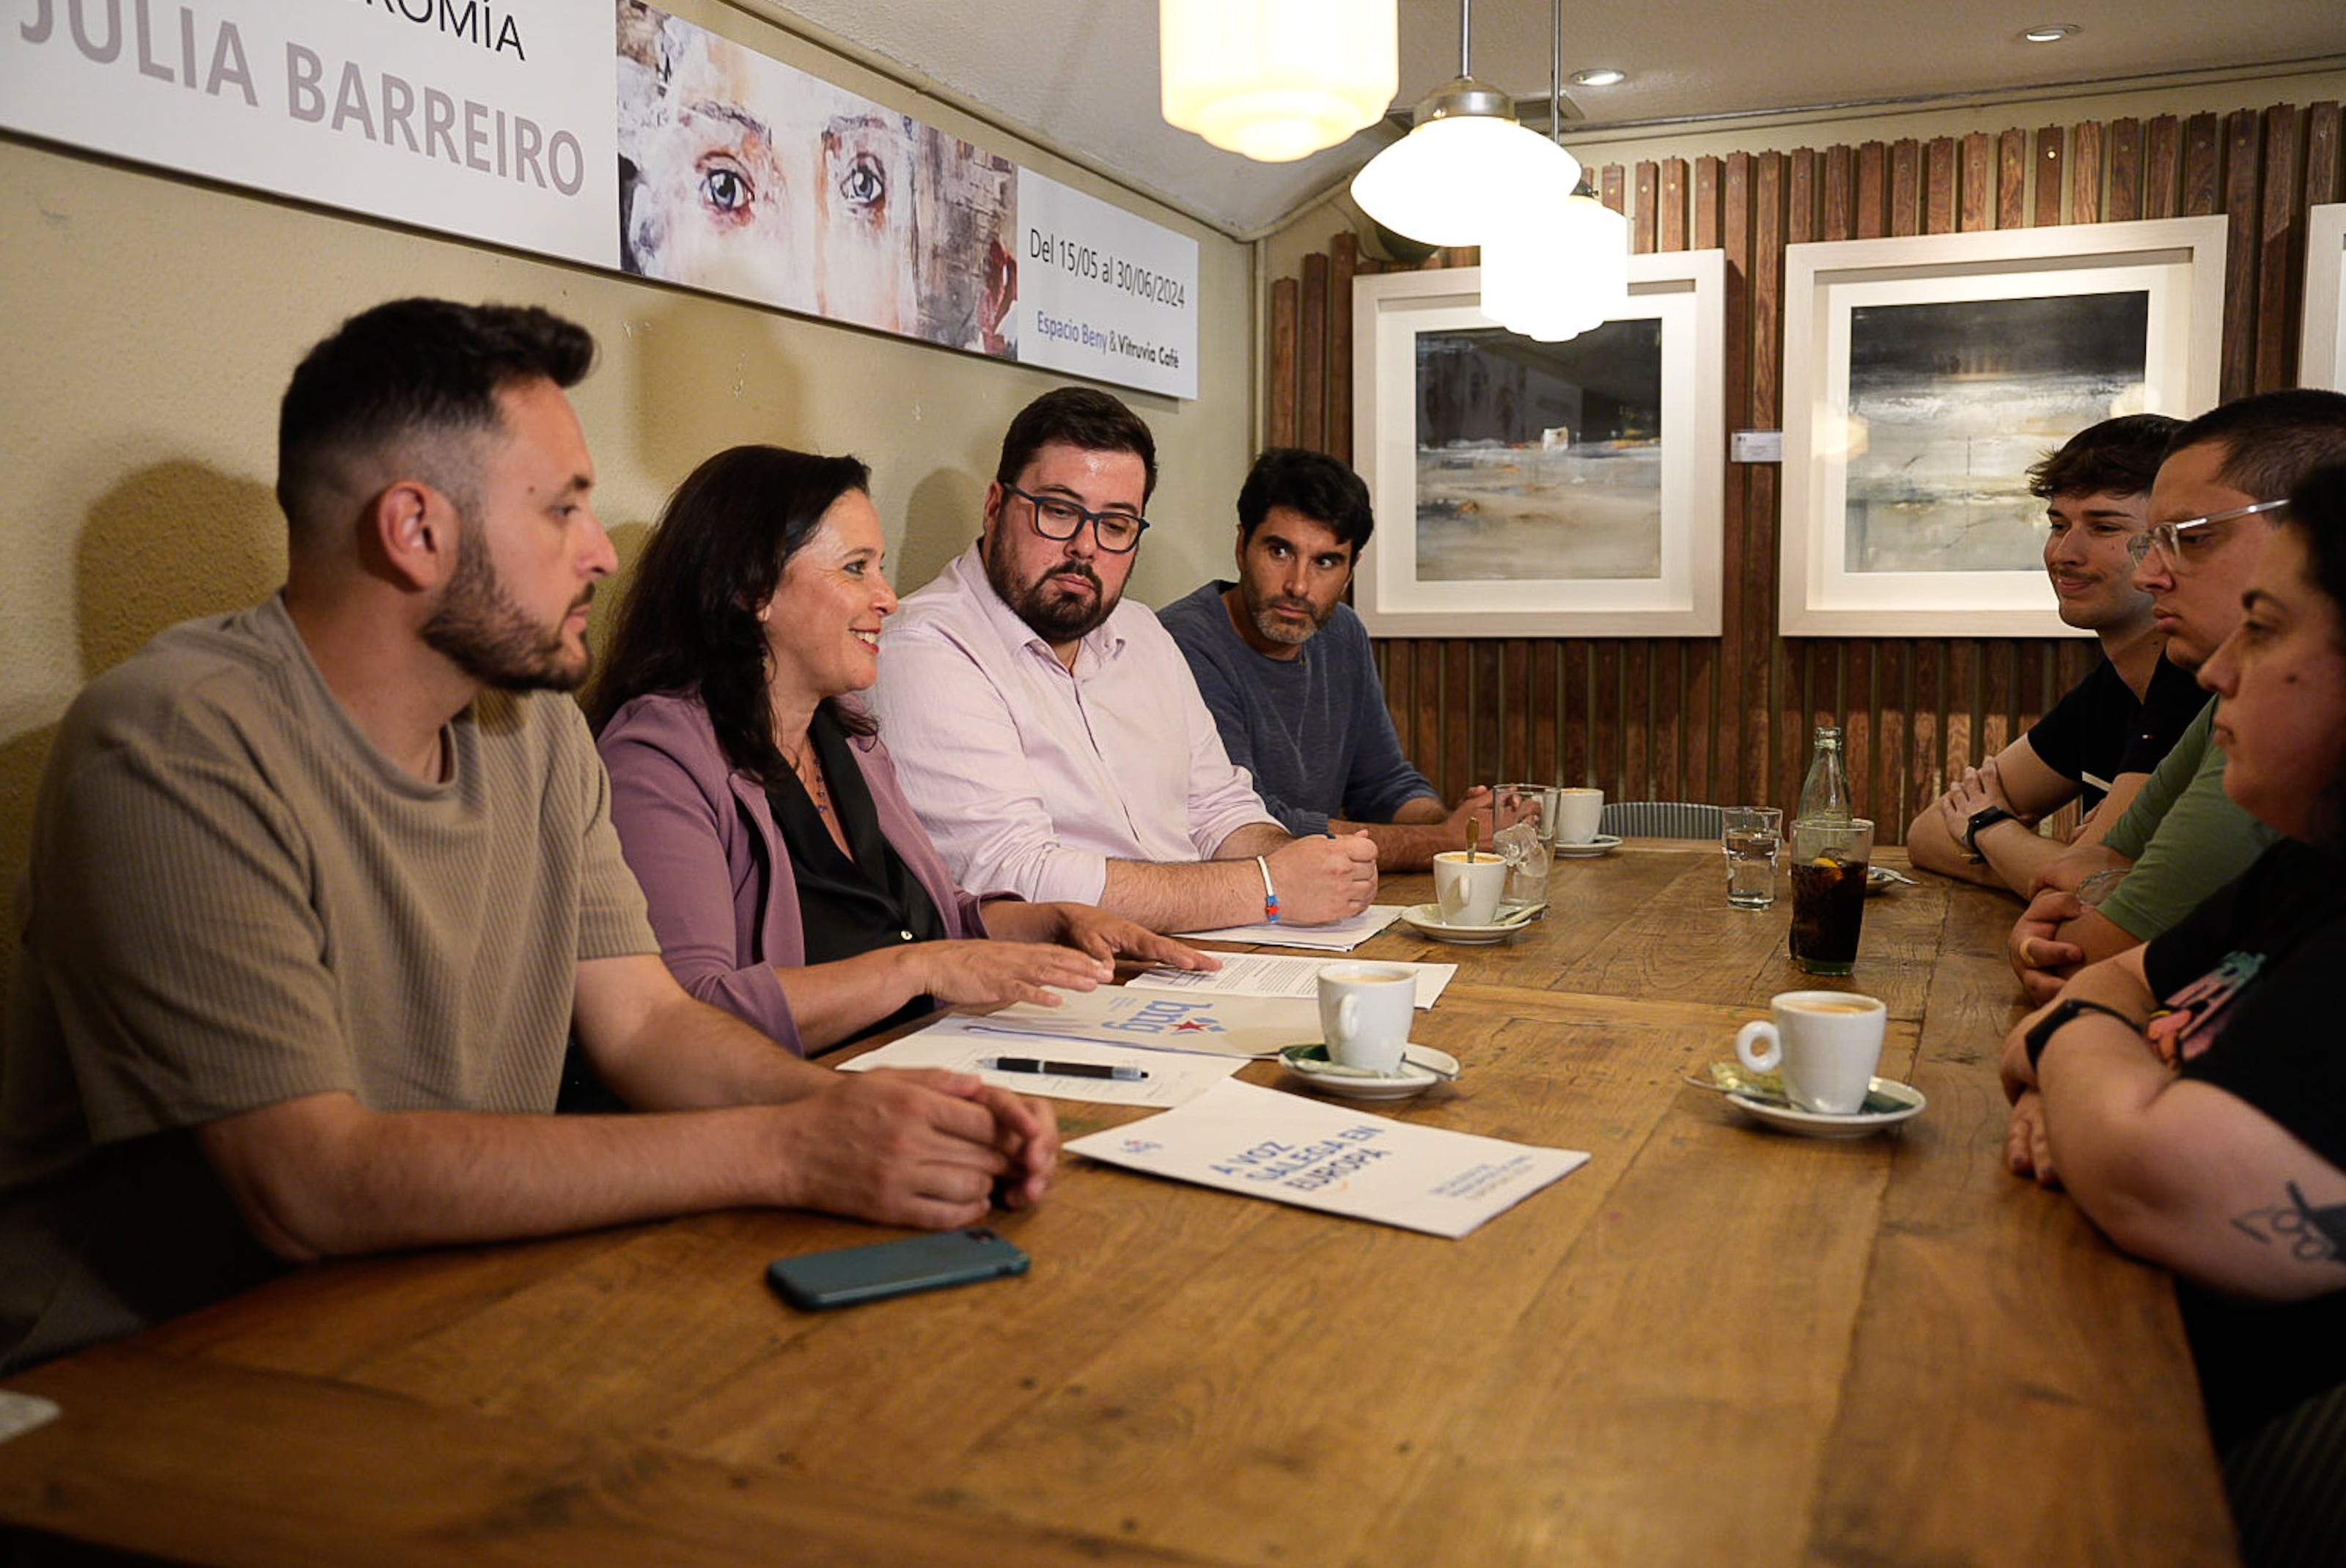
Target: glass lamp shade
{"type": "Point", "coordinates": [1558, 272]}
{"type": "Point", "coordinates": [1276, 80]}
{"type": "Point", "coordinates": [1458, 179]}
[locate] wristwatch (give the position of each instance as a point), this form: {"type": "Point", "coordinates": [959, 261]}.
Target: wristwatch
{"type": "Point", "coordinates": [2040, 1033]}
{"type": "Point", "coordinates": [1986, 817]}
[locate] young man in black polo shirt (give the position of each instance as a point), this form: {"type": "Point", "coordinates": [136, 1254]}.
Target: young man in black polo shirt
{"type": "Point", "coordinates": [2102, 740]}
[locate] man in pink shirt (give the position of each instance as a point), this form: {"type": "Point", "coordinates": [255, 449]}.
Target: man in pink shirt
{"type": "Point", "coordinates": [1050, 735]}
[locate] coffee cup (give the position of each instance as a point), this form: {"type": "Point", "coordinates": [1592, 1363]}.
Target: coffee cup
{"type": "Point", "coordinates": [1366, 1011]}
{"type": "Point", "coordinates": [1469, 891]}
{"type": "Point", "coordinates": [1825, 1044]}
{"type": "Point", "coordinates": [1577, 814]}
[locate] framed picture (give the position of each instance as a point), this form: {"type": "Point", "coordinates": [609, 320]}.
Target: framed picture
{"type": "Point", "coordinates": [1530, 489]}
{"type": "Point", "coordinates": [1923, 376]}
{"type": "Point", "coordinates": [2322, 358]}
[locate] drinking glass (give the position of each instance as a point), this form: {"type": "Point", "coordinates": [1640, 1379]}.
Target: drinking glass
{"type": "Point", "coordinates": [1752, 836]}
{"type": "Point", "coordinates": [1828, 864]}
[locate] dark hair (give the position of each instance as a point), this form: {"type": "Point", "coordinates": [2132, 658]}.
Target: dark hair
{"type": "Point", "coordinates": [689, 624]}
{"type": "Point", "coordinates": [407, 369]}
{"type": "Point", "coordinates": [2272, 439]}
{"type": "Point", "coordinates": [1080, 417]}
{"type": "Point", "coordinates": [1313, 484]}
{"type": "Point", "coordinates": [2116, 457]}
{"type": "Point", "coordinates": [2317, 513]}
{"type": "Point", "coordinates": [2317, 509]}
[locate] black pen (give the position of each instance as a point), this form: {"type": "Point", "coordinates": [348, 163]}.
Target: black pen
{"type": "Point", "coordinates": [1064, 1069]}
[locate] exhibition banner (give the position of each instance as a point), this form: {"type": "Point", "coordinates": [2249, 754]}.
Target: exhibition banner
{"type": "Point", "coordinates": [490, 121]}
{"type": "Point", "coordinates": [677, 154]}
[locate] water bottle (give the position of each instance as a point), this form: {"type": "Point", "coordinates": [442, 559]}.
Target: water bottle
{"type": "Point", "coordinates": [1824, 796]}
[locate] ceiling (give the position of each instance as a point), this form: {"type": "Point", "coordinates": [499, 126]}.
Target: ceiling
{"type": "Point", "coordinates": [1081, 75]}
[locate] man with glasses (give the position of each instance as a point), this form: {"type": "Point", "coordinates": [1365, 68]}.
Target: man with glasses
{"type": "Point", "coordinates": [2183, 838]}
{"type": "Point", "coordinates": [2113, 726]}
{"type": "Point", "coordinates": [1050, 735]}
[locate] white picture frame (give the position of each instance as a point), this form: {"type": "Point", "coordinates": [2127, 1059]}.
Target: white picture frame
{"type": "Point", "coordinates": [2170, 270]}
{"type": "Point", "coordinates": [1685, 293]}
{"type": "Point", "coordinates": [2321, 354]}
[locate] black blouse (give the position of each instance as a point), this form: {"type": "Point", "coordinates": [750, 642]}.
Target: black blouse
{"type": "Point", "coordinates": [849, 906]}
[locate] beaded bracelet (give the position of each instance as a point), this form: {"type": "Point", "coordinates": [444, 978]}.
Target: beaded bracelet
{"type": "Point", "coordinates": [1270, 898]}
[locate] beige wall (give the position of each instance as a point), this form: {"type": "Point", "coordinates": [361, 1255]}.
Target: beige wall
{"type": "Point", "coordinates": [150, 323]}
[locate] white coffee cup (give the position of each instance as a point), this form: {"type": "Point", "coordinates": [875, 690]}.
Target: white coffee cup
{"type": "Point", "coordinates": [1366, 1011]}
{"type": "Point", "coordinates": [1826, 1043]}
{"type": "Point", "coordinates": [1469, 891]}
{"type": "Point", "coordinates": [1578, 812]}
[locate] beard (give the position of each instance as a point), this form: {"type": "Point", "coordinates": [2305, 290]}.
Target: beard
{"type": "Point", "coordinates": [1048, 613]}
{"type": "Point", "coordinates": [1261, 610]}
{"type": "Point", "coordinates": [480, 629]}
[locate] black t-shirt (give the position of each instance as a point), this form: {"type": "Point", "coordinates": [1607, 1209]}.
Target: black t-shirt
{"type": "Point", "coordinates": [2099, 731]}
{"type": "Point", "coordinates": [846, 906]}
{"type": "Point", "coordinates": [2251, 975]}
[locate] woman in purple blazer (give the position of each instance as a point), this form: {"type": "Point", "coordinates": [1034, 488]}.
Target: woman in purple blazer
{"type": "Point", "coordinates": [789, 880]}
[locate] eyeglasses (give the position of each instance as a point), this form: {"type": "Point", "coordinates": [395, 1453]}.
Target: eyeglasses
{"type": "Point", "coordinates": [2166, 538]}
{"type": "Point", "coordinates": [1057, 517]}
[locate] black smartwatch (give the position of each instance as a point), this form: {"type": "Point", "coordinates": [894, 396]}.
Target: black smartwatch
{"type": "Point", "coordinates": [2040, 1033]}
{"type": "Point", "coordinates": [1982, 819]}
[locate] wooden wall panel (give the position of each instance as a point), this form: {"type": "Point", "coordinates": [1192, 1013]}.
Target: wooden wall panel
{"type": "Point", "coordinates": [1727, 718]}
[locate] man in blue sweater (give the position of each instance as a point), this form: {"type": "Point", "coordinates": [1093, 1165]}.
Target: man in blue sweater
{"type": "Point", "coordinates": [1285, 669]}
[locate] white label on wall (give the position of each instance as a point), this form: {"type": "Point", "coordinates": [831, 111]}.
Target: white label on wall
{"type": "Point", "coordinates": [1104, 293]}
{"type": "Point", "coordinates": [491, 118]}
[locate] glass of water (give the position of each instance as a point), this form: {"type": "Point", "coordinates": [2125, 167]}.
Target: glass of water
{"type": "Point", "coordinates": [1752, 837]}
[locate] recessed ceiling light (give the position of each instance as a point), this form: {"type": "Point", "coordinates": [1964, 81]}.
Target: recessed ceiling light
{"type": "Point", "coordinates": [1599, 77]}
{"type": "Point", "coordinates": [2052, 33]}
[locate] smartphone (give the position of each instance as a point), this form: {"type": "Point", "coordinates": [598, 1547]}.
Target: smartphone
{"type": "Point", "coordinates": [814, 1281]}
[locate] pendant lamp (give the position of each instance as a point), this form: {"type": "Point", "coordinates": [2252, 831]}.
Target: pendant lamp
{"type": "Point", "coordinates": [1559, 272]}
{"type": "Point", "coordinates": [1557, 269]}
{"type": "Point", "coordinates": [1464, 165]}
{"type": "Point", "coordinates": [1276, 80]}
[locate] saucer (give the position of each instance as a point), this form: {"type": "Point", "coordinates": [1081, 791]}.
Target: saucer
{"type": "Point", "coordinates": [1603, 844]}
{"type": "Point", "coordinates": [1422, 1067]}
{"type": "Point", "coordinates": [1426, 919]}
{"type": "Point", "coordinates": [1903, 1102]}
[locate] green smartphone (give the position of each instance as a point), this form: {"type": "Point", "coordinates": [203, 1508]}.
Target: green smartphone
{"type": "Point", "coordinates": [814, 1281]}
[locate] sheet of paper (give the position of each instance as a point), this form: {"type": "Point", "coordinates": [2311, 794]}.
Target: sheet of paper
{"type": "Point", "coordinates": [1244, 1026]}
{"type": "Point", "coordinates": [1270, 974]}
{"type": "Point", "coordinates": [1172, 1078]}
{"type": "Point", "coordinates": [1290, 1149]}
{"type": "Point", "coordinates": [1336, 936]}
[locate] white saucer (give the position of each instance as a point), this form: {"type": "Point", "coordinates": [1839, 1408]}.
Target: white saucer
{"type": "Point", "coordinates": [1817, 1125]}
{"type": "Point", "coordinates": [1603, 844]}
{"type": "Point", "coordinates": [1426, 919]}
{"type": "Point", "coordinates": [1422, 1067]}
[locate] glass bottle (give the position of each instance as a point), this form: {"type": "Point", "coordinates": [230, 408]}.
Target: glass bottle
{"type": "Point", "coordinates": [1824, 796]}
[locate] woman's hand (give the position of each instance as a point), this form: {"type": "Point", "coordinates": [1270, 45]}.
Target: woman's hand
{"type": "Point", "coordinates": [991, 972]}
{"type": "Point", "coordinates": [1107, 937]}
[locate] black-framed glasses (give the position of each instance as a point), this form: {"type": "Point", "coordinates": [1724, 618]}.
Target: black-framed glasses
{"type": "Point", "coordinates": [1057, 517]}
{"type": "Point", "coordinates": [2166, 538]}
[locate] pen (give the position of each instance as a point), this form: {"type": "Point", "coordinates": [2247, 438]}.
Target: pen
{"type": "Point", "coordinates": [1064, 1069]}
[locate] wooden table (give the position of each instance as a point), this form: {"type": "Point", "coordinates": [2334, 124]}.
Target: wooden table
{"type": "Point", "coordinates": [1711, 1345]}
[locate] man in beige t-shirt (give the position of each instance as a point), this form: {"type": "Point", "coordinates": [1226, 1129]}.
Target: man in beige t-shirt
{"type": "Point", "coordinates": [319, 890]}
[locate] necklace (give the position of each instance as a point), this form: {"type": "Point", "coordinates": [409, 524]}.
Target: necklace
{"type": "Point", "coordinates": [809, 768]}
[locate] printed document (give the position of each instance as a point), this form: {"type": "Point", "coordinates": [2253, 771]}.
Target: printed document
{"type": "Point", "coordinates": [1290, 1149]}
{"type": "Point", "coordinates": [1168, 1078]}
{"type": "Point", "coordinates": [1266, 974]}
{"type": "Point", "coordinates": [1336, 936]}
